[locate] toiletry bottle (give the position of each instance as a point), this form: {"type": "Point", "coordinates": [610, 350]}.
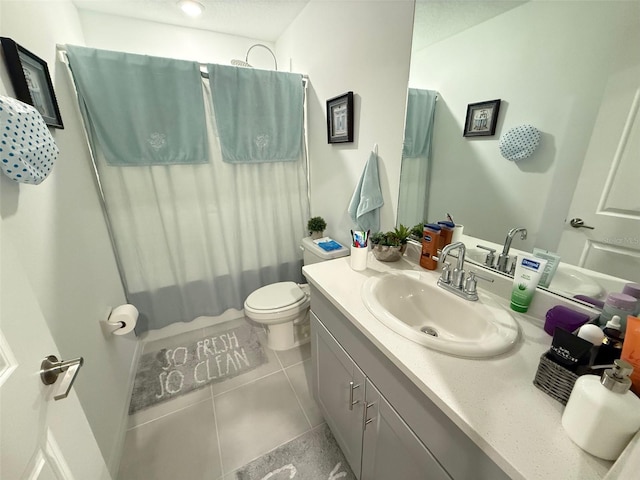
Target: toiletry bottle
{"type": "Point", "coordinates": [525, 280]}
{"type": "Point", "coordinates": [619, 304]}
{"type": "Point", "coordinates": [430, 240]}
{"type": "Point", "coordinates": [633, 289]}
{"type": "Point", "coordinates": [446, 233]}
{"type": "Point", "coordinates": [631, 351]}
{"type": "Point", "coordinates": [613, 329]}
{"type": "Point", "coordinates": [602, 415]}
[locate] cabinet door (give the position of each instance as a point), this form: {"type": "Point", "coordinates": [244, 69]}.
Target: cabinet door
{"type": "Point", "coordinates": [390, 449]}
{"type": "Point", "coordinates": [338, 387]}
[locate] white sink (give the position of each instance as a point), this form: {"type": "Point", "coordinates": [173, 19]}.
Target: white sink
{"type": "Point", "coordinates": [570, 282]}
{"type": "Point", "coordinates": [566, 281]}
{"type": "Point", "coordinates": [412, 305]}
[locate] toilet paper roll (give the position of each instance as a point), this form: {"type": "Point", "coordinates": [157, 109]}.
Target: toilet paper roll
{"type": "Point", "coordinates": [125, 315]}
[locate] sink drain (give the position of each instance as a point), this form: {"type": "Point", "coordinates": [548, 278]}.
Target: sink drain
{"type": "Point", "coordinates": [429, 331]}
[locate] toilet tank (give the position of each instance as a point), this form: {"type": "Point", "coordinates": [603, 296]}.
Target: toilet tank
{"type": "Point", "coordinates": [314, 254]}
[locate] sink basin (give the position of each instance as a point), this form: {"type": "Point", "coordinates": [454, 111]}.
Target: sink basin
{"type": "Point", "coordinates": [412, 305]}
{"type": "Point", "coordinates": [570, 282]}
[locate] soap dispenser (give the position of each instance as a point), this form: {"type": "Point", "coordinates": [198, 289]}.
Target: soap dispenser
{"type": "Point", "coordinates": [602, 415]}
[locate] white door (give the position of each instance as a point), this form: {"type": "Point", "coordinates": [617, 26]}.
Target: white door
{"type": "Point", "coordinates": [607, 196]}
{"type": "Point", "coordinates": [40, 438]}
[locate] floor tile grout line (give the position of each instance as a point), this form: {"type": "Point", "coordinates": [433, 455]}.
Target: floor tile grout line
{"type": "Point", "coordinates": [170, 413]}
{"type": "Point", "coordinates": [245, 384]}
{"type": "Point", "coordinates": [215, 420]}
{"type": "Point", "coordinates": [284, 370]}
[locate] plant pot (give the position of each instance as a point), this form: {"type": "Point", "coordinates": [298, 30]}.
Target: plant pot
{"type": "Point", "coordinates": [386, 253]}
{"type": "Point", "coordinates": [316, 235]}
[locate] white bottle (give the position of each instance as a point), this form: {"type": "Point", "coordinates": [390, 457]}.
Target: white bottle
{"type": "Point", "coordinates": [602, 415]}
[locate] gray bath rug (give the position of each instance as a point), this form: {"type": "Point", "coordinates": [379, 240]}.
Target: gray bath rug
{"type": "Point", "coordinates": [171, 372]}
{"type": "Point", "coordinates": [312, 456]}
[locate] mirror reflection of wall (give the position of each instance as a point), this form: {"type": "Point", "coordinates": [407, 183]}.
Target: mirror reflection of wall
{"type": "Point", "coordinates": [550, 63]}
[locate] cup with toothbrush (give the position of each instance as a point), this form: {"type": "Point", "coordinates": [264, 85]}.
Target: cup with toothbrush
{"type": "Point", "coordinates": [359, 249]}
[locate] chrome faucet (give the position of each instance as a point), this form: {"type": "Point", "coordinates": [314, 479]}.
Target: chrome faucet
{"type": "Point", "coordinates": [503, 258]}
{"type": "Point", "coordinates": [455, 281]}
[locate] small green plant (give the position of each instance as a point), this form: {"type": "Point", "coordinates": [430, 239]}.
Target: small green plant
{"type": "Point", "coordinates": [394, 238]}
{"type": "Point", "coordinates": [403, 233]}
{"type": "Point", "coordinates": [417, 230]}
{"type": "Point", "coordinates": [522, 286]}
{"type": "Point", "coordinates": [316, 224]}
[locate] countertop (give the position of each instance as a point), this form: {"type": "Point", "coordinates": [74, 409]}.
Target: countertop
{"type": "Point", "coordinates": [492, 400]}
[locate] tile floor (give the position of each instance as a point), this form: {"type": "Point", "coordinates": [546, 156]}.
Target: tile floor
{"type": "Point", "coordinates": [211, 432]}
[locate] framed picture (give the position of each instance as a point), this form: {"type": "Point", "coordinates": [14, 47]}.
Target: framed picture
{"type": "Point", "coordinates": [340, 119]}
{"type": "Point", "coordinates": [482, 118]}
{"type": "Point", "coordinates": [31, 81]}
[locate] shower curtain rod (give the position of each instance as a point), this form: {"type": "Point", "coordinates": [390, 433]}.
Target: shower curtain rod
{"type": "Point", "coordinates": [62, 53]}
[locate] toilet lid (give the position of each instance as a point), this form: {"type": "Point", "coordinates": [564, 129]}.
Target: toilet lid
{"type": "Point", "coordinates": [276, 295]}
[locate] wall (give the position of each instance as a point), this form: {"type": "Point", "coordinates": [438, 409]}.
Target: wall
{"type": "Point", "coordinates": [363, 47]}
{"type": "Point", "coordinates": [548, 62]}
{"type": "Point", "coordinates": [63, 240]}
{"type": "Point", "coordinates": [150, 38]}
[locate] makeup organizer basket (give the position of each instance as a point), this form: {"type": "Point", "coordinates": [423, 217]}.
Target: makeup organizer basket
{"type": "Point", "coordinates": [555, 380]}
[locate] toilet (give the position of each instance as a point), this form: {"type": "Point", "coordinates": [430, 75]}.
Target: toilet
{"type": "Point", "coordinates": [284, 306]}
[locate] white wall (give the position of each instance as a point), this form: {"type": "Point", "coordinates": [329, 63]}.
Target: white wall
{"type": "Point", "coordinates": [111, 32]}
{"type": "Point", "coordinates": [63, 240]}
{"type": "Point", "coordinates": [358, 46]}
{"type": "Point", "coordinates": [363, 47]}
{"type": "Point", "coordinates": [548, 62]}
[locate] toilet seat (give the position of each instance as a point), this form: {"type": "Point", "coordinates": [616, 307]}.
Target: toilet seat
{"type": "Point", "coordinates": [277, 303]}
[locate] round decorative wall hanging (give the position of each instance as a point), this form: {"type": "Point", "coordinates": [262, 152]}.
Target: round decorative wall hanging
{"type": "Point", "coordinates": [519, 142]}
{"type": "Point", "coordinates": [27, 149]}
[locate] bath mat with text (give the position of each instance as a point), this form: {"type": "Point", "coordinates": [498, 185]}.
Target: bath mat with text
{"type": "Point", "coordinates": [171, 372]}
{"type": "Point", "coordinates": [312, 456]}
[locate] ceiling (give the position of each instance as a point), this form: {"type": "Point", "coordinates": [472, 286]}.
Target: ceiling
{"type": "Point", "coordinates": [266, 20]}
{"type": "Point", "coordinates": [258, 19]}
{"type": "Point", "coordinates": [436, 20]}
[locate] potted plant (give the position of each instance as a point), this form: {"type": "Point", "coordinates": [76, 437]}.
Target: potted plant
{"type": "Point", "coordinates": [389, 246]}
{"type": "Point", "coordinates": [316, 226]}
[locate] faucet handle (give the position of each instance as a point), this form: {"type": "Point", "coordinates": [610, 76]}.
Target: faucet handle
{"type": "Point", "coordinates": [445, 276]}
{"type": "Point", "coordinates": [491, 256]}
{"type": "Point", "coordinates": [471, 282]}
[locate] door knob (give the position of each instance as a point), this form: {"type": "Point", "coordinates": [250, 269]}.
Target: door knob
{"type": "Point", "coordinates": [51, 368]}
{"type": "Point", "coordinates": [579, 223]}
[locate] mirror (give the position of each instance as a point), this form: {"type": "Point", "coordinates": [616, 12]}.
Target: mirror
{"type": "Point", "coordinates": [551, 64]}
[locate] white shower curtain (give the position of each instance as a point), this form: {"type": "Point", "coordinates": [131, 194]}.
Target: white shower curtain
{"type": "Point", "coordinates": [197, 239]}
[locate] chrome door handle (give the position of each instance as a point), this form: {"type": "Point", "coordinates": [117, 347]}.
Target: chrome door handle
{"type": "Point", "coordinates": [352, 387]}
{"type": "Point", "coordinates": [366, 420]}
{"type": "Point", "coordinates": [579, 223]}
{"type": "Point", "coordinates": [51, 368]}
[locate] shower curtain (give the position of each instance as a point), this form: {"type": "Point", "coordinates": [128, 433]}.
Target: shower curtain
{"type": "Point", "coordinates": [416, 168]}
{"type": "Point", "coordinates": [196, 239]}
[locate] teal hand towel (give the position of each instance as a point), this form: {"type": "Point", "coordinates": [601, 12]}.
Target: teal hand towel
{"type": "Point", "coordinates": [367, 197]}
{"type": "Point", "coordinates": [259, 114]}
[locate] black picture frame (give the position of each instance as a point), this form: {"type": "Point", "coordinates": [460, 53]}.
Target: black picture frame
{"type": "Point", "coordinates": [482, 118]}
{"type": "Point", "coordinates": [340, 119]}
{"type": "Point", "coordinates": [31, 81]}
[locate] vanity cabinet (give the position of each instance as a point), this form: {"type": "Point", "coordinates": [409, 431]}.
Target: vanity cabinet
{"type": "Point", "coordinates": [386, 427]}
{"type": "Point", "coordinates": [377, 443]}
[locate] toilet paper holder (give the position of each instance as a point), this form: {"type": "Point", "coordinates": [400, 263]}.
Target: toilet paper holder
{"type": "Point", "coordinates": [120, 320]}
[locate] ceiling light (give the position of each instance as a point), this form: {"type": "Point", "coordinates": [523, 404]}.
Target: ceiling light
{"type": "Point", "coordinates": [191, 7]}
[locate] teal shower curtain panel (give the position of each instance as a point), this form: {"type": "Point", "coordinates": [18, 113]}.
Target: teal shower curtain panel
{"type": "Point", "coordinates": [418, 130]}
{"type": "Point", "coordinates": [259, 114]}
{"type": "Point", "coordinates": [143, 110]}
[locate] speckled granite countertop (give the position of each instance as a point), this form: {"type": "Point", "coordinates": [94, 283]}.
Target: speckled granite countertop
{"type": "Point", "coordinates": [492, 400]}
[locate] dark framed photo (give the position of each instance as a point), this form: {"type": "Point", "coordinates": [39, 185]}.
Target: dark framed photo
{"type": "Point", "coordinates": [482, 118]}
{"type": "Point", "coordinates": [340, 119]}
{"type": "Point", "coordinates": [31, 81]}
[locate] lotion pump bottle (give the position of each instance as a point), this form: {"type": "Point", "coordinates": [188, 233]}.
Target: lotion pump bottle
{"type": "Point", "coordinates": [602, 415]}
